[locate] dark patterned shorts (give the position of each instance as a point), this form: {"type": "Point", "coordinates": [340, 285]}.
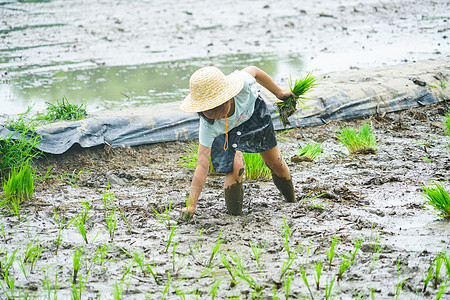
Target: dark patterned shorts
{"type": "Point", "coordinates": [253, 136]}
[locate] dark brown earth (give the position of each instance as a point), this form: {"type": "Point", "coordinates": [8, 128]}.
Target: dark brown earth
{"type": "Point", "coordinates": [372, 198]}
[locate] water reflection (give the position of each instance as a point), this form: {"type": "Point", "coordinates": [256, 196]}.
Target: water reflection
{"type": "Point", "coordinates": [127, 86]}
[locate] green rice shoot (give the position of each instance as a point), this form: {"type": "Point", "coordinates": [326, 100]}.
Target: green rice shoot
{"type": "Point", "coordinates": [189, 160]}
{"type": "Point", "coordinates": [255, 167]}
{"type": "Point", "coordinates": [311, 151]}
{"type": "Point", "coordinates": [18, 188]}
{"type": "Point", "coordinates": [354, 140]}
{"type": "Point", "coordinates": [15, 152]}
{"type": "Point", "coordinates": [64, 110]}
{"type": "Point", "coordinates": [439, 199]}
{"type": "Point", "coordinates": [299, 87]}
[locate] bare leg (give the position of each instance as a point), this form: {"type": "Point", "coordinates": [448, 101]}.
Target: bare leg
{"type": "Point", "coordinates": [280, 173]}
{"type": "Point", "coordinates": [234, 192]}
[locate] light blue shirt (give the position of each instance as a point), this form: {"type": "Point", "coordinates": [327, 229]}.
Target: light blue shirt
{"type": "Point", "coordinates": [244, 105]}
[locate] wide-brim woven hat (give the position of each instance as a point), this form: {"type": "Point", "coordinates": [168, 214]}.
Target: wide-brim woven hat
{"type": "Point", "coordinates": [210, 88]}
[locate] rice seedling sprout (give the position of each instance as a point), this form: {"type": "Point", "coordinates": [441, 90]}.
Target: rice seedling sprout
{"type": "Point", "coordinates": [189, 160]}
{"type": "Point", "coordinates": [305, 280]}
{"type": "Point", "coordinates": [310, 151]}
{"type": "Point", "coordinates": [16, 152]}
{"type": "Point", "coordinates": [360, 141]}
{"type": "Point", "coordinates": [18, 188]}
{"type": "Point", "coordinates": [332, 252]}
{"type": "Point", "coordinates": [438, 198]}
{"type": "Point", "coordinates": [81, 219]}
{"type": "Point", "coordinates": [215, 250]}
{"type": "Point", "coordinates": [318, 274]}
{"type": "Point", "coordinates": [110, 211]}
{"type": "Point", "coordinates": [255, 167]}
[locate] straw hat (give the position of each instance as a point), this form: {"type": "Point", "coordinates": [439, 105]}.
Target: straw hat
{"type": "Point", "coordinates": [210, 88]}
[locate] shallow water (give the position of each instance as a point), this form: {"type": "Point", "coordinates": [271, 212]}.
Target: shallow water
{"type": "Point", "coordinates": [131, 53]}
{"type": "Point", "coordinates": [115, 87]}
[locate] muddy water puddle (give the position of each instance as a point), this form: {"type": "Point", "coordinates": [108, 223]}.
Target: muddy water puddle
{"type": "Point", "coordinates": [115, 87]}
{"type": "Point", "coordinates": [370, 206]}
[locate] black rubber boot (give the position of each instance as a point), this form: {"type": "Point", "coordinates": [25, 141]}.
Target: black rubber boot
{"type": "Point", "coordinates": [234, 196]}
{"type": "Point", "coordinates": [285, 186]}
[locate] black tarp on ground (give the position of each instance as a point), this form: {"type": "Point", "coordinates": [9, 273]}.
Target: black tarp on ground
{"type": "Point", "coordinates": [340, 96]}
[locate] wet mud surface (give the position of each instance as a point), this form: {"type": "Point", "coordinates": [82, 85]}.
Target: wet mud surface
{"type": "Point", "coordinates": [372, 198]}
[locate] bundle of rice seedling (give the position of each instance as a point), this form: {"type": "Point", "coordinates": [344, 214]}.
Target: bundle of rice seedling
{"type": "Point", "coordinates": [308, 153]}
{"type": "Point", "coordinates": [439, 199]}
{"type": "Point", "coordinates": [299, 87]}
{"type": "Point", "coordinates": [255, 167]}
{"type": "Point", "coordinates": [362, 142]}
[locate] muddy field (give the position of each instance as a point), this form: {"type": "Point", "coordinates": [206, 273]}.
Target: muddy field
{"type": "Point", "coordinates": [374, 199]}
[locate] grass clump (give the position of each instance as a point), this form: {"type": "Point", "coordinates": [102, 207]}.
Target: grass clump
{"type": "Point", "coordinates": [18, 188]}
{"type": "Point", "coordinates": [16, 152]}
{"type": "Point", "coordinates": [255, 167]}
{"type": "Point", "coordinates": [362, 141]}
{"type": "Point", "coordinates": [299, 87]}
{"type": "Point", "coordinates": [63, 110]}
{"type": "Point", "coordinates": [308, 153]}
{"type": "Point", "coordinates": [439, 199]}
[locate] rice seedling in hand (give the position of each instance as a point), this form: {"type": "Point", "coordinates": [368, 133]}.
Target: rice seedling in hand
{"type": "Point", "coordinates": [255, 167]}
{"type": "Point", "coordinates": [299, 87]}
{"type": "Point", "coordinates": [18, 188]}
{"type": "Point", "coordinates": [308, 153]}
{"type": "Point", "coordinates": [438, 198]}
{"type": "Point", "coordinates": [361, 142]}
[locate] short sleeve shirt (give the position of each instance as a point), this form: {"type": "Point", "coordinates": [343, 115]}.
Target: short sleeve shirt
{"type": "Point", "coordinates": [244, 103]}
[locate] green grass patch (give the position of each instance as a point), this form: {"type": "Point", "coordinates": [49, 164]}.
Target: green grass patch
{"type": "Point", "coordinates": [361, 141]}
{"type": "Point", "coordinates": [18, 188]}
{"type": "Point", "coordinates": [439, 199]}
{"type": "Point", "coordinates": [63, 110]}
{"type": "Point", "coordinates": [299, 87]}
{"type": "Point", "coordinates": [255, 166]}
{"type": "Point", "coordinates": [15, 153]}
